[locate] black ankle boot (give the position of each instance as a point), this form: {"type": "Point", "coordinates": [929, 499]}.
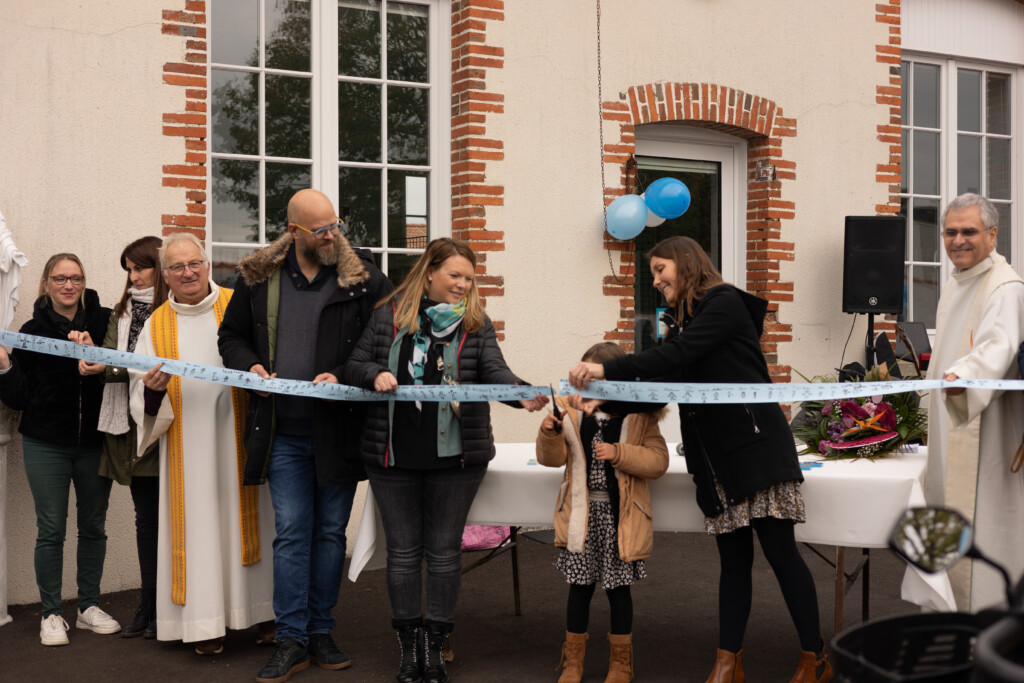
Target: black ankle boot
{"type": "Point", "coordinates": [142, 617]}
{"type": "Point", "coordinates": [150, 632]}
{"type": "Point", "coordinates": [434, 635]}
{"type": "Point", "coordinates": [410, 668]}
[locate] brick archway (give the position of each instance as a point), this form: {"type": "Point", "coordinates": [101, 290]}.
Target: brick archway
{"type": "Point", "coordinates": [758, 120]}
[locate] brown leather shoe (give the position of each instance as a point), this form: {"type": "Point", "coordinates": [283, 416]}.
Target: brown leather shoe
{"type": "Point", "coordinates": [214, 646]}
{"type": "Point", "coordinates": [812, 669]}
{"type": "Point", "coordinates": [266, 633]}
{"type": "Point", "coordinates": [728, 668]}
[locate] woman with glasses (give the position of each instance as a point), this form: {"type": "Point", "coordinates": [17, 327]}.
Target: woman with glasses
{"type": "Point", "coordinates": [425, 461]}
{"type": "Point", "coordinates": [61, 444]}
{"type": "Point", "coordinates": [143, 292]}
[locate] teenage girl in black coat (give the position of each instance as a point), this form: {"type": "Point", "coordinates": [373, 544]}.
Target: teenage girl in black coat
{"type": "Point", "coordinates": [742, 456]}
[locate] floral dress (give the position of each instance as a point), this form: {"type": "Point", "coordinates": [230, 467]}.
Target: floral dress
{"type": "Point", "coordinates": [782, 501]}
{"type": "Point", "coordinates": [599, 561]}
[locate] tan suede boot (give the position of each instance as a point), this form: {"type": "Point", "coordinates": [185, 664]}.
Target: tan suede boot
{"type": "Point", "coordinates": [620, 661]}
{"type": "Point", "coordinates": [573, 649]}
{"type": "Point", "coordinates": [728, 668]}
{"type": "Point", "coordinates": [809, 667]}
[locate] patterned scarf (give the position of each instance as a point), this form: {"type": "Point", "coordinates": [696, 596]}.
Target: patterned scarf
{"type": "Point", "coordinates": [437, 322]}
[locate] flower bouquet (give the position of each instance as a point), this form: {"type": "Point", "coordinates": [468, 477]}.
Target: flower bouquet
{"type": "Point", "coordinates": [866, 427]}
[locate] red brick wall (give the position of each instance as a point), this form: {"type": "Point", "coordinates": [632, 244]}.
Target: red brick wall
{"type": "Point", "coordinates": [188, 171]}
{"type": "Point", "coordinates": [761, 122]}
{"type": "Point", "coordinates": [473, 103]}
{"type": "Point", "coordinates": [888, 92]}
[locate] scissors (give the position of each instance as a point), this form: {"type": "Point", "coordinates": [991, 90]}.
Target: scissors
{"type": "Point", "coordinates": [555, 412]}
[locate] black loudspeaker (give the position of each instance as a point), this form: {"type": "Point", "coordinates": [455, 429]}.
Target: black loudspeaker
{"type": "Point", "coordinates": [873, 264]}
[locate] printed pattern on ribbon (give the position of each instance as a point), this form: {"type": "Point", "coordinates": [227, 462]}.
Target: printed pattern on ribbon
{"type": "Point", "coordinates": [618, 391]}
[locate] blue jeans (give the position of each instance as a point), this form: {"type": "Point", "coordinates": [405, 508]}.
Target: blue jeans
{"type": "Point", "coordinates": [309, 549]}
{"type": "Point", "coordinates": [51, 469]}
{"type": "Point", "coordinates": [423, 513]}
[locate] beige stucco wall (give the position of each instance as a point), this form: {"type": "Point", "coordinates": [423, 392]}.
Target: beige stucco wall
{"type": "Point", "coordinates": [815, 60]}
{"type": "Point", "coordinates": [80, 170]}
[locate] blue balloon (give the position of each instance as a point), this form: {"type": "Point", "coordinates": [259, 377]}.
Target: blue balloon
{"type": "Point", "coordinates": [668, 197]}
{"type": "Point", "coordinates": [627, 216]}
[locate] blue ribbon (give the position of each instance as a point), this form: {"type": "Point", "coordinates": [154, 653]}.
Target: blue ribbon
{"type": "Point", "coordinates": [653, 392]}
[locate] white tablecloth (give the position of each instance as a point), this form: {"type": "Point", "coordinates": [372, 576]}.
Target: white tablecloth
{"type": "Point", "coordinates": [851, 503]}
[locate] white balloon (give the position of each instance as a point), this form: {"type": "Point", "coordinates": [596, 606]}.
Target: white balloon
{"type": "Point", "coordinates": [653, 219]}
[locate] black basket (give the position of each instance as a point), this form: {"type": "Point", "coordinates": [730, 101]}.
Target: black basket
{"type": "Point", "coordinates": [918, 647]}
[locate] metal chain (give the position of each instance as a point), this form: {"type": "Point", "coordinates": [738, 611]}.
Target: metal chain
{"type": "Point", "coordinates": [600, 128]}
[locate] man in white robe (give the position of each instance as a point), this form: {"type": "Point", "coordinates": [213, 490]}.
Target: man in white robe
{"type": "Point", "coordinates": [973, 434]}
{"type": "Point", "coordinates": [214, 558]}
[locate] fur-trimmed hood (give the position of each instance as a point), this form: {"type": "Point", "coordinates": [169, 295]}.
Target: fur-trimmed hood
{"type": "Point", "coordinates": [258, 267]}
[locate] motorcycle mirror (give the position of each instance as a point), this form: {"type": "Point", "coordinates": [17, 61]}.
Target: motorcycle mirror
{"type": "Point", "coordinates": [932, 538]}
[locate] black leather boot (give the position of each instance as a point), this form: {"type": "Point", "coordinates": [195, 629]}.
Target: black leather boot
{"type": "Point", "coordinates": [410, 668]}
{"type": "Point", "coordinates": [435, 633]}
{"type": "Point", "coordinates": [142, 615]}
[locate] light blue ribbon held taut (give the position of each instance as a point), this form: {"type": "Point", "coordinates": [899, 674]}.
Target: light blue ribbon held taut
{"type": "Point", "coordinates": [617, 391]}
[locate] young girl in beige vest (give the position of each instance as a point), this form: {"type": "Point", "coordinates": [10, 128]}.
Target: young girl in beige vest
{"type": "Point", "coordinates": [603, 513]}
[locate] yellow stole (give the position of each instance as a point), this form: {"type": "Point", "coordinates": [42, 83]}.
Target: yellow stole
{"type": "Point", "coordinates": [164, 328]}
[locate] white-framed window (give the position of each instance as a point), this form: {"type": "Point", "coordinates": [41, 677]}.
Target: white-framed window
{"type": "Point", "coordinates": [350, 97]}
{"type": "Point", "coordinates": [960, 129]}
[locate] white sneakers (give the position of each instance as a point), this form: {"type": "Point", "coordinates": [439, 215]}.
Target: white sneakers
{"type": "Point", "coordinates": [97, 621]}
{"type": "Point", "coordinates": [54, 630]}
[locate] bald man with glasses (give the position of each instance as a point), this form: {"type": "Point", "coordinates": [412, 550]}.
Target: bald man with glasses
{"type": "Point", "coordinates": [299, 308]}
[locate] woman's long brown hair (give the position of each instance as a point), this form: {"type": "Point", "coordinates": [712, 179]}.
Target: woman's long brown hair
{"type": "Point", "coordinates": [408, 294]}
{"type": "Point", "coordinates": [142, 252]}
{"type": "Point", "coordinates": [695, 273]}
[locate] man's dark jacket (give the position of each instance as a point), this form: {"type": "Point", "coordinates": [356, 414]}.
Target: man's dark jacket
{"type": "Point", "coordinates": [244, 341]}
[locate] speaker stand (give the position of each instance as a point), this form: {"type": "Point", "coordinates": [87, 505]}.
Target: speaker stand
{"type": "Point", "coordinates": [869, 347]}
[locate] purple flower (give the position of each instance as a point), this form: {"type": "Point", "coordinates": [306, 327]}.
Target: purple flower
{"type": "Point", "coordinates": [822, 448]}
{"type": "Point", "coordinates": [848, 422]}
{"type": "Point", "coordinates": [888, 419]}
{"type": "Point", "coordinates": [826, 409]}
{"type": "Point", "coordinates": [853, 409]}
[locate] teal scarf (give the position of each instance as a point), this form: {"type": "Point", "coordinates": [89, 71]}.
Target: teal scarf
{"type": "Point", "coordinates": [437, 322]}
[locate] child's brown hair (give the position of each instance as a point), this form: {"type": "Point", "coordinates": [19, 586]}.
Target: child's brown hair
{"type": "Point", "coordinates": [603, 352]}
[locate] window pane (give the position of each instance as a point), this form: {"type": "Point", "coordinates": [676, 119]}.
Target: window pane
{"type": "Point", "coordinates": [224, 260]}
{"type": "Point", "coordinates": [407, 209]}
{"type": "Point", "coordinates": [926, 95]}
{"type": "Point", "coordinates": [359, 38]}
{"type": "Point", "coordinates": [283, 180]}
{"type": "Point", "coordinates": [407, 125]}
{"type": "Point", "coordinates": [926, 294]}
{"type": "Point", "coordinates": [968, 164]}
{"type": "Point", "coordinates": [926, 162]}
{"type": "Point", "coordinates": [287, 117]}
{"type": "Point", "coordinates": [359, 205]}
{"type": "Point", "coordinates": [968, 100]}
{"type": "Point", "coordinates": [358, 122]}
{"type": "Point", "coordinates": [905, 166]}
{"type": "Point", "coordinates": [235, 122]}
{"type": "Point", "coordinates": [407, 43]}
{"type": "Point", "coordinates": [236, 200]}
{"type": "Point", "coordinates": [1003, 235]}
{"type": "Point", "coordinates": [235, 32]}
{"type": "Point", "coordinates": [399, 266]}
{"type": "Point", "coordinates": [926, 230]}
{"type": "Point", "coordinates": [288, 44]}
{"type": "Point", "coordinates": [998, 168]}
{"type": "Point", "coordinates": [998, 104]}
{"type": "Point", "coordinates": [905, 93]}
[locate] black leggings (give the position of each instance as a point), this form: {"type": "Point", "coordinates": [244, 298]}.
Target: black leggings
{"type": "Point", "coordinates": [577, 611]}
{"type": "Point", "coordinates": [735, 592]}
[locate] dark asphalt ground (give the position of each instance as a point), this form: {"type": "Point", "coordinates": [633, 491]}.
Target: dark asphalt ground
{"type": "Point", "coordinates": [675, 626]}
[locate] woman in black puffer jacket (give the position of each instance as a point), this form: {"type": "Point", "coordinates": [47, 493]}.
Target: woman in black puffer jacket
{"type": "Point", "coordinates": [425, 461]}
{"type": "Point", "coordinates": [61, 444]}
{"type": "Point", "coordinates": [742, 456]}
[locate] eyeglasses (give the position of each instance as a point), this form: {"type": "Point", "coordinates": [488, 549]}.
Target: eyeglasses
{"type": "Point", "coordinates": [321, 233]}
{"type": "Point", "coordinates": [179, 268]}
{"type": "Point", "coordinates": [61, 280]}
{"type": "Point", "coordinates": [966, 233]}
